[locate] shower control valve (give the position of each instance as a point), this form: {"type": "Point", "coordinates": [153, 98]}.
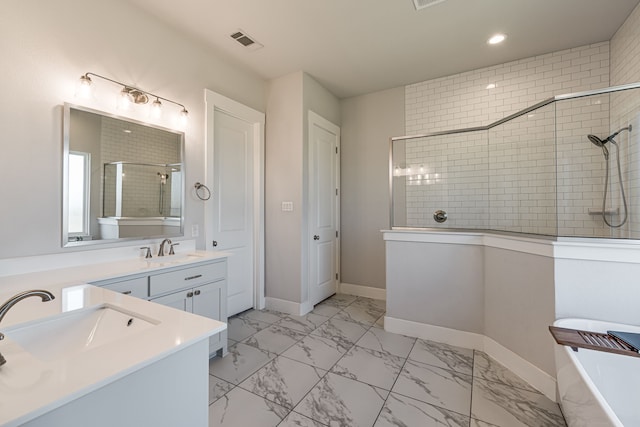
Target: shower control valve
{"type": "Point", "coordinates": [439, 216]}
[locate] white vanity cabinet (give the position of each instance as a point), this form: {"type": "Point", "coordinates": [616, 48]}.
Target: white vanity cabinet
{"type": "Point", "coordinates": [199, 288]}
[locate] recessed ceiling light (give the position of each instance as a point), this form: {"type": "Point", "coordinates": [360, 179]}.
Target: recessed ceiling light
{"type": "Point", "coordinates": [491, 86]}
{"type": "Point", "coordinates": [498, 38]}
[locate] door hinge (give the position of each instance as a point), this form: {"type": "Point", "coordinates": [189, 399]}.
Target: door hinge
{"type": "Point", "coordinates": [336, 276]}
{"type": "Point", "coordinates": [336, 150]}
{"type": "Point", "coordinates": [336, 191]}
{"type": "Point", "coordinates": [336, 233]}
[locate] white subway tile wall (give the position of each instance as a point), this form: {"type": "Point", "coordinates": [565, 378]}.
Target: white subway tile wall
{"type": "Point", "coordinates": [520, 190]}
{"type": "Point", "coordinates": [141, 184]}
{"type": "Point", "coordinates": [522, 174]}
{"type": "Point", "coordinates": [463, 100]}
{"type": "Point", "coordinates": [625, 110]}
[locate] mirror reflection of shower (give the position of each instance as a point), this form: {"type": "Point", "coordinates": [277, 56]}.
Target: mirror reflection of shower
{"type": "Point", "coordinates": [605, 151]}
{"type": "Point", "coordinates": [163, 182]}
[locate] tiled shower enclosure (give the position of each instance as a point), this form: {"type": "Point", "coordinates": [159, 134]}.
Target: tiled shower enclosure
{"type": "Point", "coordinates": [534, 172]}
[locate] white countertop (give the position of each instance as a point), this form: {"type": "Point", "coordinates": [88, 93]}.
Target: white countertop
{"type": "Point", "coordinates": [30, 386]}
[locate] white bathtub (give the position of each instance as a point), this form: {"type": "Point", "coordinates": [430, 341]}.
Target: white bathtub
{"type": "Point", "coordinates": [597, 389]}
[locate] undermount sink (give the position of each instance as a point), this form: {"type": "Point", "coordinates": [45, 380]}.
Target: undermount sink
{"type": "Point", "coordinates": [174, 259]}
{"type": "Point", "coordinates": [77, 332]}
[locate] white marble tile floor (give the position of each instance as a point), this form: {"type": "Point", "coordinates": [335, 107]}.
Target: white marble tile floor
{"type": "Point", "coordinates": [337, 366]}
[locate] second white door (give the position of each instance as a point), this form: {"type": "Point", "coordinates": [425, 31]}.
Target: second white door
{"type": "Point", "coordinates": [324, 139]}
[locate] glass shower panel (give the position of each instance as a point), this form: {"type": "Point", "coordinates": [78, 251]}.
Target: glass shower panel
{"type": "Point", "coordinates": [582, 167]}
{"type": "Point", "coordinates": [445, 172]}
{"type": "Point", "coordinates": [522, 174]}
{"type": "Point", "coordinates": [625, 111]}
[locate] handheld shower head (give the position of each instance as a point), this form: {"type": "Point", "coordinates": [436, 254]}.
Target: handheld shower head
{"type": "Point", "coordinates": [600, 143]}
{"type": "Point", "coordinates": [596, 141]}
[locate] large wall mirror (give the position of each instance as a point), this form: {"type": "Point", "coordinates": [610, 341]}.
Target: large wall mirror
{"type": "Point", "coordinates": [123, 179]}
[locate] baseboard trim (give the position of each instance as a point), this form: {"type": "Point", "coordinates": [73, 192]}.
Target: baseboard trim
{"type": "Point", "coordinates": [434, 333]}
{"type": "Point", "coordinates": [362, 291]}
{"type": "Point", "coordinates": [536, 377]}
{"type": "Point", "coordinates": [530, 373]}
{"type": "Point", "coordinates": [289, 307]}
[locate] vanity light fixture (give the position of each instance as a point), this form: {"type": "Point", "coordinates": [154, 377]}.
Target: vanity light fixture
{"type": "Point", "coordinates": [132, 95]}
{"type": "Point", "coordinates": [497, 38]}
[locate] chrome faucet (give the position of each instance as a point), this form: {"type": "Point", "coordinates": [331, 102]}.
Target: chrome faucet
{"type": "Point", "coordinates": [4, 308]}
{"type": "Point", "coordinates": [161, 251]}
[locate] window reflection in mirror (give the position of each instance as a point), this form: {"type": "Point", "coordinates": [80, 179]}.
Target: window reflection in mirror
{"type": "Point", "coordinates": [123, 179]}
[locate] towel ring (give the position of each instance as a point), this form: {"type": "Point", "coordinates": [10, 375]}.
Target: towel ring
{"type": "Point", "coordinates": [206, 191]}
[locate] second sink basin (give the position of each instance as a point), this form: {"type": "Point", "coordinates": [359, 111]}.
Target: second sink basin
{"type": "Point", "coordinates": [77, 332]}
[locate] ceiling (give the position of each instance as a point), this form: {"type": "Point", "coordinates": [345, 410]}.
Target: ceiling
{"type": "Point", "coordinates": [354, 47]}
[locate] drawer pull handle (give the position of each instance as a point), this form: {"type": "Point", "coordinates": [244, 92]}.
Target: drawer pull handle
{"type": "Point", "coordinates": [193, 277]}
{"type": "Point", "coordinates": [197, 292]}
{"type": "Point", "coordinates": [126, 292]}
{"type": "Point", "coordinates": [189, 294]}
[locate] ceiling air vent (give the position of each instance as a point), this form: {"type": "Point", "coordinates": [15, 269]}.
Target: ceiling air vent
{"type": "Point", "coordinates": [245, 40]}
{"type": "Point", "coordinates": [421, 4]}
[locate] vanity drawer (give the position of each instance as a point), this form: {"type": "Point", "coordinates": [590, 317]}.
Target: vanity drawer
{"type": "Point", "coordinates": [186, 278]}
{"type": "Point", "coordinates": [135, 287]}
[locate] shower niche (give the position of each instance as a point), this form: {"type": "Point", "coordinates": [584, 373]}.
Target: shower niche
{"type": "Point", "coordinates": [141, 199]}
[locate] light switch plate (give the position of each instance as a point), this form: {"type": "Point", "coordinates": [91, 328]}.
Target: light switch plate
{"type": "Point", "coordinates": [195, 230]}
{"type": "Point", "coordinates": [287, 206]}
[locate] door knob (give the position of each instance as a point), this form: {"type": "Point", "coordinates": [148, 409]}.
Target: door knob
{"type": "Point", "coordinates": [316, 237]}
{"type": "Point", "coordinates": [214, 243]}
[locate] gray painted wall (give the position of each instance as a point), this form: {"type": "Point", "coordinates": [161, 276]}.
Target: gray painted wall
{"type": "Point", "coordinates": [283, 172]}
{"type": "Point", "coordinates": [289, 100]}
{"type": "Point", "coordinates": [368, 122]}
{"type": "Point", "coordinates": [503, 294]}
{"type": "Point", "coordinates": [436, 284]}
{"type": "Point", "coordinates": [520, 304]}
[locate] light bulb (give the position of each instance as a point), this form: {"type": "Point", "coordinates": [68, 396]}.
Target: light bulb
{"type": "Point", "coordinates": [84, 87]}
{"type": "Point", "coordinates": [183, 117]}
{"type": "Point", "coordinates": [124, 100]}
{"type": "Point", "coordinates": [156, 108]}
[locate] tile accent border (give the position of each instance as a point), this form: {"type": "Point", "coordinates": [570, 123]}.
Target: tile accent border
{"type": "Point", "coordinates": [537, 378]}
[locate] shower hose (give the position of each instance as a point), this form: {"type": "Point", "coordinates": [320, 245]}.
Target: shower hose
{"type": "Point", "coordinates": [606, 185]}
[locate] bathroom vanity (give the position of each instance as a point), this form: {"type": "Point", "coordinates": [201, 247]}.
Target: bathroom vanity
{"type": "Point", "coordinates": [102, 354]}
{"type": "Point", "coordinates": [194, 283]}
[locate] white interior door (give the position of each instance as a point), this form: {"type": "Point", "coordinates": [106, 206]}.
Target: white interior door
{"type": "Point", "coordinates": [234, 220]}
{"type": "Point", "coordinates": [324, 139]}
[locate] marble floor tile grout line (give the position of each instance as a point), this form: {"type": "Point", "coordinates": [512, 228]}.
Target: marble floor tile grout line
{"type": "Point", "coordinates": [473, 379]}
{"type": "Point", "coordinates": [395, 381]}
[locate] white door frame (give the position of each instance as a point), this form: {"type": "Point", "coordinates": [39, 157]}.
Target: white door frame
{"type": "Point", "coordinates": [216, 102]}
{"type": "Point", "coordinates": [313, 117]}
